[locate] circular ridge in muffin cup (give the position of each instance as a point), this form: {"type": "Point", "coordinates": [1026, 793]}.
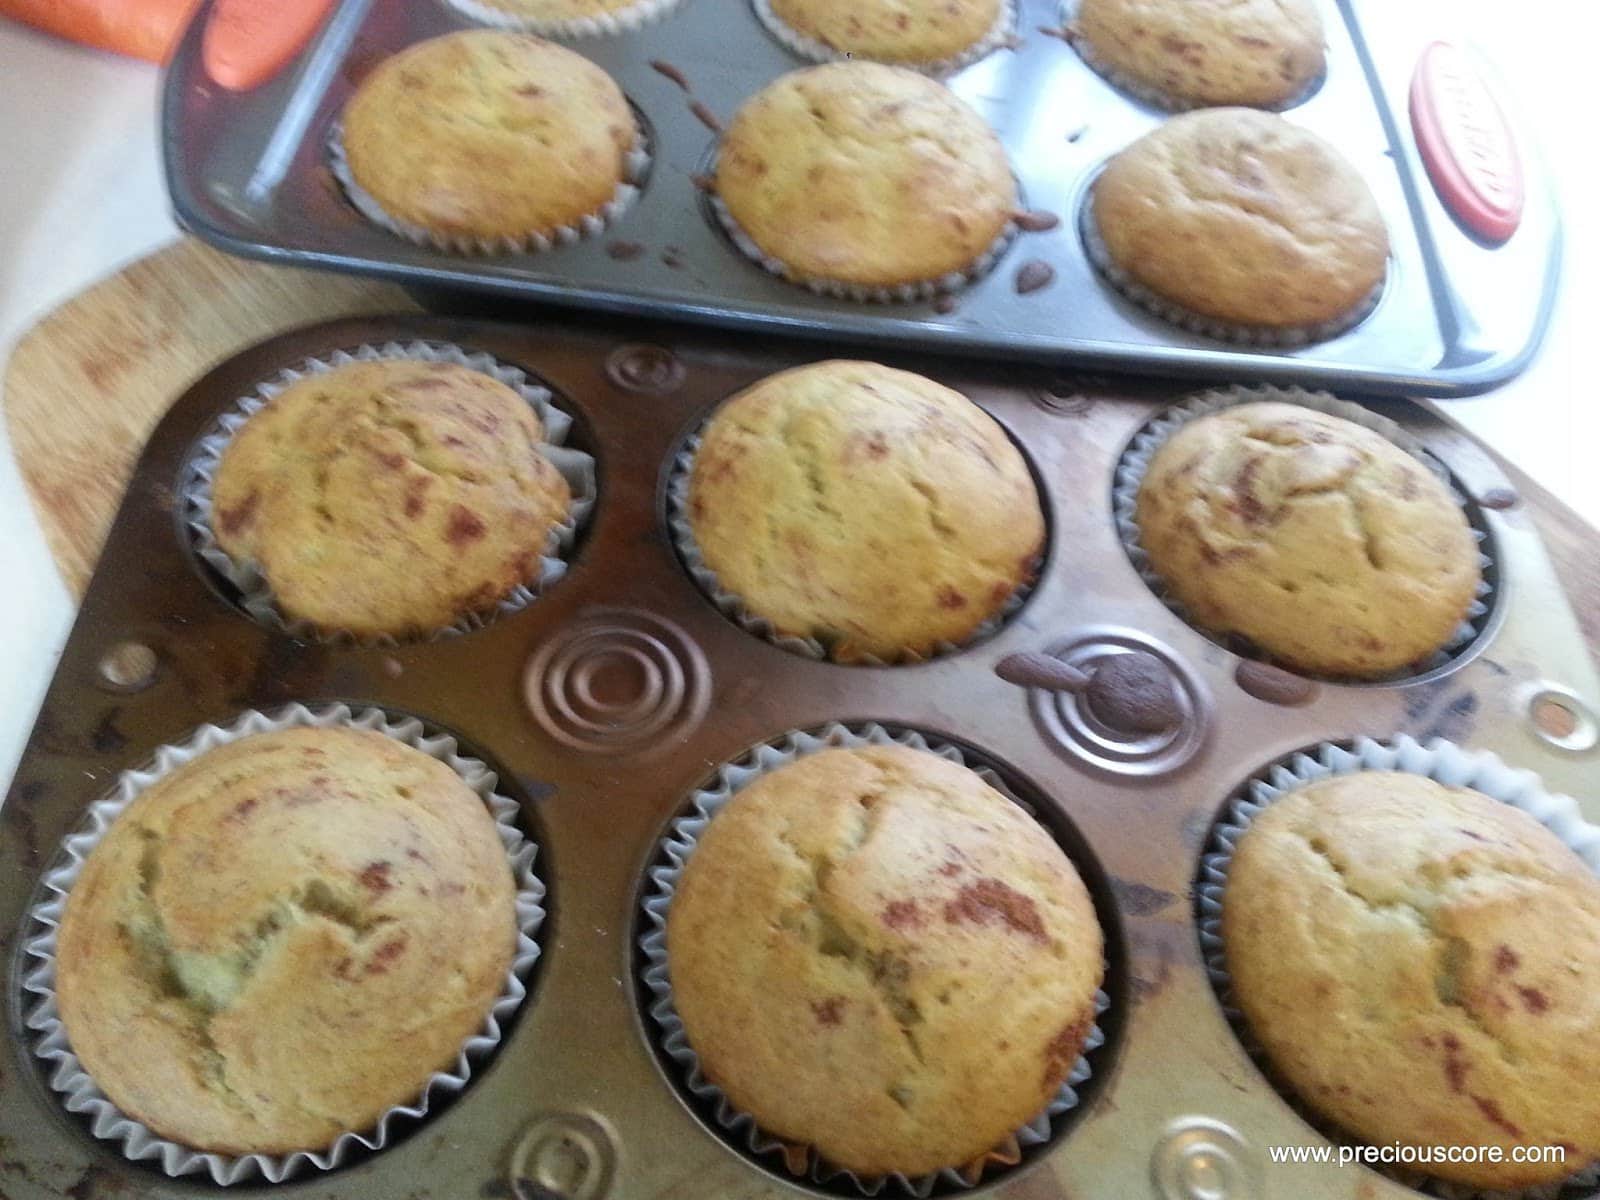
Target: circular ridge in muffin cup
{"type": "Point", "coordinates": [1442, 761]}
{"type": "Point", "coordinates": [838, 289]}
{"type": "Point", "coordinates": [1153, 434]}
{"type": "Point", "coordinates": [636, 169]}
{"type": "Point", "coordinates": [1256, 336]}
{"type": "Point", "coordinates": [818, 51]}
{"type": "Point", "coordinates": [255, 593]}
{"type": "Point", "coordinates": [137, 1141]}
{"type": "Point", "coordinates": [623, 20]}
{"type": "Point", "coordinates": [733, 607]}
{"type": "Point", "coordinates": [678, 846]}
{"type": "Point", "coordinates": [1154, 96]}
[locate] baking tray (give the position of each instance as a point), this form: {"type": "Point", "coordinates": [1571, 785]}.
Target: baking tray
{"type": "Point", "coordinates": [248, 173]}
{"type": "Point", "coordinates": [577, 1094]}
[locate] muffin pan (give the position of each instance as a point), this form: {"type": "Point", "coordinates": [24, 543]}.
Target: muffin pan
{"type": "Point", "coordinates": [607, 702]}
{"type": "Point", "coordinates": [250, 173]}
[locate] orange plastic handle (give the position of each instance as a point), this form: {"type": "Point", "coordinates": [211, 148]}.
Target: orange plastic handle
{"type": "Point", "coordinates": [247, 42]}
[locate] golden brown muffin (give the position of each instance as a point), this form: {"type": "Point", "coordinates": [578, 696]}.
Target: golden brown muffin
{"type": "Point", "coordinates": [489, 134]}
{"type": "Point", "coordinates": [1241, 217]}
{"type": "Point", "coordinates": [864, 174]}
{"type": "Point", "coordinates": [1324, 543]}
{"type": "Point", "coordinates": [864, 506]}
{"type": "Point", "coordinates": [389, 497]}
{"type": "Point", "coordinates": [1260, 53]}
{"type": "Point", "coordinates": [1422, 965]}
{"type": "Point", "coordinates": [877, 955]}
{"type": "Point", "coordinates": [910, 32]}
{"type": "Point", "coordinates": [284, 938]}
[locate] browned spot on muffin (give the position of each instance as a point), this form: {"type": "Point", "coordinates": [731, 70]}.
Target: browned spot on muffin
{"type": "Point", "coordinates": [387, 955]}
{"type": "Point", "coordinates": [391, 459]}
{"type": "Point", "coordinates": [465, 526]}
{"type": "Point", "coordinates": [950, 598]}
{"type": "Point", "coordinates": [530, 90]}
{"type": "Point", "coordinates": [231, 520]}
{"type": "Point", "coordinates": [1505, 958]}
{"type": "Point", "coordinates": [989, 900]}
{"type": "Point", "coordinates": [902, 914]}
{"type": "Point", "coordinates": [829, 1011]}
{"type": "Point", "coordinates": [1454, 1069]}
{"type": "Point", "coordinates": [1535, 1000]}
{"type": "Point", "coordinates": [415, 502]}
{"type": "Point", "coordinates": [1492, 1112]}
{"type": "Point", "coordinates": [1250, 507]}
{"type": "Point", "coordinates": [245, 807]}
{"type": "Point", "coordinates": [951, 867]}
{"type": "Point", "coordinates": [375, 877]}
{"type": "Point", "coordinates": [1063, 1050]}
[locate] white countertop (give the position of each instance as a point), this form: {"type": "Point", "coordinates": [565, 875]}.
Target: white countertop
{"type": "Point", "coordinates": [81, 194]}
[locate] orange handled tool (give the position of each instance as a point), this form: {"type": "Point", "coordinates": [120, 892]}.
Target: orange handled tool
{"type": "Point", "coordinates": [247, 42]}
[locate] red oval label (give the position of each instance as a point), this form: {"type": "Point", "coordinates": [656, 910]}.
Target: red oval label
{"type": "Point", "coordinates": [1466, 143]}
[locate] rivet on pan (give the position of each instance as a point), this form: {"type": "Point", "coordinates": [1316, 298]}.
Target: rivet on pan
{"type": "Point", "coordinates": [1560, 718]}
{"type": "Point", "coordinates": [128, 667]}
{"type": "Point", "coordinates": [1201, 1159]}
{"type": "Point", "coordinates": [641, 367]}
{"type": "Point", "coordinates": [1065, 402]}
{"type": "Point", "coordinates": [564, 1156]}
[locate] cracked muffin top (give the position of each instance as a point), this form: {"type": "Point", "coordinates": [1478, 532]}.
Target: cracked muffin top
{"type": "Point", "coordinates": [489, 134]}
{"type": "Point", "coordinates": [865, 174]}
{"type": "Point", "coordinates": [1422, 964]}
{"type": "Point", "coordinates": [284, 938]}
{"type": "Point", "coordinates": [1243, 217]}
{"type": "Point", "coordinates": [873, 509]}
{"type": "Point", "coordinates": [1322, 542]}
{"type": "Point", "coordinates": [878, 956]}
{"type": "Point", "coordinates": [913, 32]}
{"type": "Point", "coordinates": [1261, 53]}
{"type": "Point", "coordinates": [391, 497]}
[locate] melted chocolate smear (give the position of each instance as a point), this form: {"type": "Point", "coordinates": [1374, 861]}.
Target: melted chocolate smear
{"type": "Point", "coordinates": [1037, 221]}
{"type": "Point", "coordinates": [1033, 275]}
{"type": "Point", "coordinates": [671, 72]}
{"type": "Point", "coordinates": [705, 183]}
{"type": "Point", "coordinates": [706, 117]}
{"type": "Point", "coordinates": [673, 257]}
{"type": "Point", "coordinates": [944, 304]}
{"type": "Point", "coordinates": [625, 251]}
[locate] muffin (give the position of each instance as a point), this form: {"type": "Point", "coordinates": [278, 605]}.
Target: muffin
{"type": "Point", "coordinates": [565, 18]}
{"type": "Point", "coordinates": [879, 957]}
{"type": "Point", "coordinates": [872, 509]}
{"type": "Point", "coordinates": [389, 498]}
{"type": "Point", "coordinates": [487, 136]}
{"type": "Point", "coordinates": [913, 33]}
{"type": "Point", "coordinates": [1422, 965]}
{"type": "Point", "coordinates": [1327, 546]}
{"type": "Point", "coordinates": [1237, 216]}
{"type": "Point", "coordinates": [284, 938]}
{"type": "Point", "coordinates": [1195, 53]}
{"type": "Point", "coordinates": [860, 174]}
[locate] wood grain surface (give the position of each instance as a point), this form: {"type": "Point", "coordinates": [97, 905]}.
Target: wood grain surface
{"type": "Point", "coordinates": [86, 385]}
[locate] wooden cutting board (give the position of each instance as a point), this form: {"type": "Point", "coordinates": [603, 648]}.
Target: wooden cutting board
{"type": "Point", "coordinates": [88, 383]}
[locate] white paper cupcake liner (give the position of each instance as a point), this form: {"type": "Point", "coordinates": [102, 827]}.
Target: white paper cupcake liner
{"type": "Point", "coordinates": [1445, 763]}
{"type": "Point", "coordinates": [1135, 461]}
{"type": "Point", "coordinates": [838, 289]}
{"type": "Point", "coordinates": [139, 1143]}
{"type": "Point", "coordinates": [1255, 336]}
{"type": "Point", "coordinates": [623, 20]}
{"type": "Point", "coordinates": [677, 847]}
{"type": "Point", "coordinates": [1149, 93]}
{"type": "Point", "coordinates": [740, 613]}
{"type": "Point", "coordinates": [255, 594]}
{"type": "Point", "coordinates": [809, 47]}
{"type": "Point", "coordinates": [636, 170]}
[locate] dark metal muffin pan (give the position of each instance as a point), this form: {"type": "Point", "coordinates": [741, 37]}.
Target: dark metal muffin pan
{"type": "Point", "coordinates": [574, 1104]}
{"type": "Point", "coordinates": [249, 173]}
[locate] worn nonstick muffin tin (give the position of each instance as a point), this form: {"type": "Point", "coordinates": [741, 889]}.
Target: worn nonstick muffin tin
{"type": "Point", "coordinates": [249, 173]}
{"type": "Point", "coordinates": [579, 1102]}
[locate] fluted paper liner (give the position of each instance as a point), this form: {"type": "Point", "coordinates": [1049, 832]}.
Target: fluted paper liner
{"type": "Point", "coordinates": [740, 1128]}
{"type": "Point", "coordinates": [623, 20]}
{"type": "Point", "coordinates": [635, 170]}
{"type": "Point", "coordinates": [1135, 461]}
{"type": "Point", "coordinates": [809, 47]}
{"type": "Point", "coordinates": [733, 607]}
{"type": "Point", "coordinates": [255, 593]}
{"type": "Point", "coordinates": [1442, 761]}
{"type": "Point", "coordinates": [138, 1142]}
